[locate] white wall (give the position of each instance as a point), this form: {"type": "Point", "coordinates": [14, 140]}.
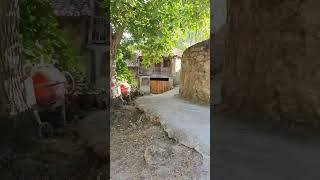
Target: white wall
{"type": "Point", "coordinates": [177, 64]}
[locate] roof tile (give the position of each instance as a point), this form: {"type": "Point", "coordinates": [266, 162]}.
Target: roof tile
{"type": "Point", "coordinates": [72, 7]}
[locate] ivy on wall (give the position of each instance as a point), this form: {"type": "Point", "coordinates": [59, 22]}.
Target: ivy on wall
{"type": "Point", "coordinates": [41, 38]}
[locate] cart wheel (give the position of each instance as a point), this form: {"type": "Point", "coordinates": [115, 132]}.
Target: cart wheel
{"type": "Point", "coordinates": [45, 130]}
{"type": "Point", "coordinates": [70, 83]}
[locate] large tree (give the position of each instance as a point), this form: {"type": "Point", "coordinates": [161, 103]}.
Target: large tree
{"type": "Point", "coordinates": [12, 99]}
{"type": "Point", "coordinates": [155, 26]}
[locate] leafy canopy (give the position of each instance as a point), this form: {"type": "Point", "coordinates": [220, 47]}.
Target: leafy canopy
{"type": "Point", "coordinates": [156, 26]}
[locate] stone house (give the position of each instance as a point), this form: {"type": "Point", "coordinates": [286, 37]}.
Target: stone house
{"type": "Point", "coordinates": [85, 27]}
{"type": "Point", "coordinates": [195, 73]}
{"type": "Point", "coordinates": [159, 77]}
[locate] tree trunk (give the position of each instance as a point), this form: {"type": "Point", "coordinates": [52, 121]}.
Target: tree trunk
{"type": "Point", "coordinates": [115, 43]}
{"type": "Point", "coordinates": [271, 69]}
{"type": "Point", "coordinates": [12, 98]}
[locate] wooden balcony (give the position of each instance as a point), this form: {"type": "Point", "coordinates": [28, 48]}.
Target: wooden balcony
{"type": "Point", "coordinates": [154, 71]}
{"type": "Point", "coordinates": [98, 30]}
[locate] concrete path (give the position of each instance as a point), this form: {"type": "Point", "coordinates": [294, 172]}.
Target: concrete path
{"type": "Point", "coordinates": [188, 123]}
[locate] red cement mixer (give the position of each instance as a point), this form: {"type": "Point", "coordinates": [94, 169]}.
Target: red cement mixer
{"type": "Point", "coordinates": [50, 87]}
{"type": "Point", "coordinates": [48, 84]}
{"type": "Point", "coordinates": [125, 88]}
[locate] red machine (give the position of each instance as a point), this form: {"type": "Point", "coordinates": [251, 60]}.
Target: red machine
{"type": "Point", "coordinates": [50, 87]}
{"type": "Point", "coordinates": [47, 92]}
{"type": "Point", "coordinates": [125, 88]}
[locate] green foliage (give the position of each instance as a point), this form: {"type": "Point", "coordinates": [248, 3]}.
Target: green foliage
{"type": "Point", "coordinates": [188, 39]}
{"type": "Point", "coordinates": [123, 72]}
{"type": "Point", "coordinates": [41, 37]}
{"type": "Point", "coordinates": [157, 25]}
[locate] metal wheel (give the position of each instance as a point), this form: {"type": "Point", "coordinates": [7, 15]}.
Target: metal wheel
{"type": "Point", "coordinates": [70, 83]}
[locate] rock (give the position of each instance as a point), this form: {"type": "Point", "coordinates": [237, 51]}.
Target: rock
{"type": "Point", "coordinates": [157, 154]}
{"type": "Point", "coordinates": [162, 172]}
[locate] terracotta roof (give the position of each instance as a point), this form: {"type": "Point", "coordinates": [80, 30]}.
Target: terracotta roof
{"type": "Point", "coordinates": [72, 7]}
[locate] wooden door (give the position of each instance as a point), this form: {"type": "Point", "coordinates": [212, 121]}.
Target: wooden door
{"type": "Point", "coordinates": [159, 86]}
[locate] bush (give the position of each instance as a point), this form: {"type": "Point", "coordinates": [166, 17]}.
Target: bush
{"type": "Point", "coordinates": [123, 72]}
{"type": "Point", "coordinates": [41, 37]}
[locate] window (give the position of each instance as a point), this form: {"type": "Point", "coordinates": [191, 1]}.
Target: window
{"type": "Point", "coordinates": [166, 63]}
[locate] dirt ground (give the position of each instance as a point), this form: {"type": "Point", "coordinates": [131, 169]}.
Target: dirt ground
{"type": "Point", "coordinates": [58, 158]}
{"type": "Point", "coordinates": [141, 149]}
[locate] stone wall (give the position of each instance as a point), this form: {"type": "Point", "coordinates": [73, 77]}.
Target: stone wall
{"type": "Point", "coordinates": [273, 59]}
{"type": "Point", "coordinates": [195, 73]}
